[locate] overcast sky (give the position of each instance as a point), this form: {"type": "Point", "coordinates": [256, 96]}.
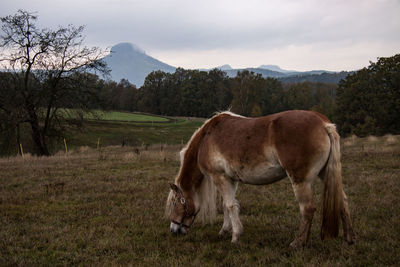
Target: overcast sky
{"type": "Point", "coordinates": [294, 34]}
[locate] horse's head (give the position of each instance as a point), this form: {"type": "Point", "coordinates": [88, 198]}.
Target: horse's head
{"type": "Point", "coordinates": [182, 211]}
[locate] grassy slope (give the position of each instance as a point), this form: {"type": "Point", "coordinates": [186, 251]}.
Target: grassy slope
{"type": "Point", "coordinates": [114, 133]}
{"type": "Point", "coordinates": [125, 116]}
{"type": "Point", "coordinates": [111, 206]}
{"type": "Point", "coordinates": [114, 128]}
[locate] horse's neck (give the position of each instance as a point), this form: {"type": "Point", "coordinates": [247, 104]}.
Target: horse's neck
{"type": "Point", "coordinates": [190, 176]}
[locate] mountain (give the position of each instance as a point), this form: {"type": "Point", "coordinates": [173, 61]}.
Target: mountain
{"type": "Point", "coordinates": [264, 72]}
{"type": "Point", "coordinates": [325, 77]}
{"type": "Point", "coordinates": [224, 67]}
{"type": "Point", "coordinates": [293, 72]}
{"type": "Point", "coordinates": [276, 68]}
{"type": "Point", "coordinates": [127, 61]}
{"type": "Point", "coordinates": [286, 76]}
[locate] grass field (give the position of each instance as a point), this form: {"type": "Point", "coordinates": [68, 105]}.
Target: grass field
{"type": "Point", "coordinates": [124, 116]}
{"type": "Point", "coordinates": [131, 133]}
{"type": "Point", "coordinates": [118, 128]}
{"type": "Point", "coordinates": [90, 207]}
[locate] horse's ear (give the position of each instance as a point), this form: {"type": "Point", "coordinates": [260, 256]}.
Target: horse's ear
{"type": "Point", "coordinates": [175, 188]}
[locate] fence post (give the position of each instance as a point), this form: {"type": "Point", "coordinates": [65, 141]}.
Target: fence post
{"type": "Point", "coordinates": [66, 147]}
{"type": "Point", "coordinates": [21, 150]}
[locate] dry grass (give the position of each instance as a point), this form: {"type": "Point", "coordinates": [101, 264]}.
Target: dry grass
{"type": "Point", "coordinates": [349, 141]}
{"type": "Point", "coordinates": [391, 140]}
{"type": "Point", "coordinates": [90, 207]}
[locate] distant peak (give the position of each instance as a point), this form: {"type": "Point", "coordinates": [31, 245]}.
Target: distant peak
{"type": "Point", "coordinates": [126, 48]}
{"type": "Point", "coordinates": [275, 68]}
{"type": "Point", "coordinates": [271, 67]}
{"type": "Point", "coordinates": [224, 67]}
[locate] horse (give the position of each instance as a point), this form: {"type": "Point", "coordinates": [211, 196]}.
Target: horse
{"type": "Point", "coordinates": [229, 148]}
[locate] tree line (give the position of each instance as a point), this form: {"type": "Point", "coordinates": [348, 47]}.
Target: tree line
{"type": "Point", "coordinates": [197, 93]}
{"type": "Point", "coordinates": [366, 102]}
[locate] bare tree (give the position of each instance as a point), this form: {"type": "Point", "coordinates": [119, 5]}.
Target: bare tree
{"type": "Point", "coordinates": [49, 68]}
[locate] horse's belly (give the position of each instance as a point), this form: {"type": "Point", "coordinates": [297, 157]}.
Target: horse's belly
{"type": "Point", "coordinates": [265, 171]}
{"type": "Point", "coordinates": [260, 175]}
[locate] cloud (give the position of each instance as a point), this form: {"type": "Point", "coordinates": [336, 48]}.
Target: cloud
{"type": "Point", "coordinates": [355, 31]}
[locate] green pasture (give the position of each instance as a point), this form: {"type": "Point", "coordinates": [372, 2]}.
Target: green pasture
{"type": "Point", "coordinates": [132, 129]}
{"type": "Point", "coordinates": [117, 129]}
{"type": "Point", "coordinates": [123, 116]}
{"type": "Point", "coordinates": [131, 133]}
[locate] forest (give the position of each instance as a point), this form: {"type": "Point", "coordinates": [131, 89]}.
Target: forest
{"type": "Point", "coordinates": [196, 93]}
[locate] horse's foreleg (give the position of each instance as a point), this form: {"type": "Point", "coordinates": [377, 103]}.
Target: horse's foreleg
{"type": "Point", "coordinates": [227, 225]}
{"type": "Point", "coordinates": [346, 222]}
{"type": "Point", "coordinates": [227, 189]}
{"type": "Point", "coordinates": [237, 228]}
{"type": "Point", "coordinates": [304, 197]}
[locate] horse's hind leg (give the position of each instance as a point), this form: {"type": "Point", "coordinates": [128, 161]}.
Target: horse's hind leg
{"type": "Point", "coordinates": [304, 196]}
{"type": "Point", "coordinates": [346, 222]}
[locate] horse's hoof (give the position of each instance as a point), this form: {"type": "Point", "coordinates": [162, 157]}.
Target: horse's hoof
{"type": "Point", "coordinates": [351, 239]}
{"type": "Point", "coordinates": [224, 232]}
{"type": "Point", "coordinates": [235, 240]}
{"type": "Point", "coordinates": [296, 245]}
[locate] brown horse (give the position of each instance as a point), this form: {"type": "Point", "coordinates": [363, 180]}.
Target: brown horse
{"type": "Point", "coordinates": [229, 148]}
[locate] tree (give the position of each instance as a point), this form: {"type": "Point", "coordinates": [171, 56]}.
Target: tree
{"type": "Point", "coordinates": [324, 97]}
{"type": "Point", "coordinates": [368, 101]}
{"type": "Point", "coordinates": [10, 116]}
{"type": "Point", "coordinates": [47, 67]}
{"type": "Point", "coordinates": [152, 91]}
{"type": "Point", "coordinates": [221, 92]}
{"type": "Point", "coordinates": [299, 96]}
{"type": "Point", "coordinates": [247, 93]}
{"type": "Point", "coordinates": [310, 96]}
{"type": "Point", "coordinates": [119, 96]}
{"type": "Point", "coordinates": [272, 96]}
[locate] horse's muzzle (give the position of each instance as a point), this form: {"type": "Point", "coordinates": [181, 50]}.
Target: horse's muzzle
{"type": "Point", "coordinates": [177, 229]}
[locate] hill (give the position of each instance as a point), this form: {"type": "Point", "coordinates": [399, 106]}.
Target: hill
{"type": "Point", "coordinates": [295, 76]}
{"type": "Point", "coordinates": [324, 77]}
{"type": "Point", "coordinates": [277, 68]}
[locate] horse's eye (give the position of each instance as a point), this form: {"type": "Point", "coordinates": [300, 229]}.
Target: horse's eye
{"type": "Point", "coordinates": [182, 201]}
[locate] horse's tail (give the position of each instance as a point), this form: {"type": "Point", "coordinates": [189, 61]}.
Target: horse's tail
{"type": "Point", "coordinates": [332, 196]}
{"type": "Point", "coordinates": [208, 201]}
